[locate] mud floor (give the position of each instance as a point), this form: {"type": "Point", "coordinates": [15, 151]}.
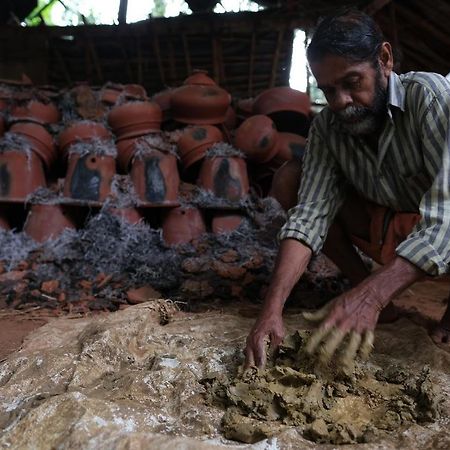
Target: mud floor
{"type": "Point", "coordinates": [124, 380]}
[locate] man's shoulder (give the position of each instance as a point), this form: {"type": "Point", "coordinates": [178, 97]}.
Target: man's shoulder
{"type": "Point", "coordinates": [428, 82]}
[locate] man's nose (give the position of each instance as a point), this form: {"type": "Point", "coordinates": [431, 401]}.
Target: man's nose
{"type": "Point", "coordinates": [341, 100]}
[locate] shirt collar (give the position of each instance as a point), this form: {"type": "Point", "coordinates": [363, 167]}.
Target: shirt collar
{"type": "Point", "coordinates": [396, 92]}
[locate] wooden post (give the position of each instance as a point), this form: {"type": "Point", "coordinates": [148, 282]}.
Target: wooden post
{"type": "Point", "coordinates": [187, 55]}
{"type": "Point", "coordinates": [123, 12]}
{"type": "Point", "coordinates": [276, 57]}
{"type": "Point", "coordinates": [251, 64]}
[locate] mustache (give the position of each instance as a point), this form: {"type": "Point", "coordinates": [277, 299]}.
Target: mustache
{"type": "Point", "coordinates": [353, 113]}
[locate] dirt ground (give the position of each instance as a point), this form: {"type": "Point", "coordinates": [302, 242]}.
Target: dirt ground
{"type": "Point", "coordinates": [123, 380]}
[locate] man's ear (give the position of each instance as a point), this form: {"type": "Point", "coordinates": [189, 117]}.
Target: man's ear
{"type": "Point", "coordinates": [386, 59]}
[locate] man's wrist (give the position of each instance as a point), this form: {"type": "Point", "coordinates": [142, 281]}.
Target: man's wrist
{"type": "Point", "coordinates": [391, 279]}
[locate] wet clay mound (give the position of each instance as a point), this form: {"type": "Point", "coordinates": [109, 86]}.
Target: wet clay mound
{"type": "Point", "coordinates": [326, 407]}
{"type": "Point", "coordinates": [127, 381]}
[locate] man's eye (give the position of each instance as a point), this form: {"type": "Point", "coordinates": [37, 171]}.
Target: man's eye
{"type": "Point", "coordinates": [352, 84]}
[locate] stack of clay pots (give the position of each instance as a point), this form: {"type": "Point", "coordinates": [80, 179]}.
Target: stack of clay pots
{"type": "Point", "coordinates": [27, 150]}
{"type": "Point", "coordinates": [205, 109]}
{"type": "Point", "coordinates": [189, 133]}
{"type": "Point", "coordinates": [274, 134]}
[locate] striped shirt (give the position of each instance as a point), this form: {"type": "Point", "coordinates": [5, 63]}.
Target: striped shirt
{"type": "Point", "coordinates": [410, 171]}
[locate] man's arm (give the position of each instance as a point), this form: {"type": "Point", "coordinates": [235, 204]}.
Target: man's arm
{"type": "Point", "coordinates": [291, 262]}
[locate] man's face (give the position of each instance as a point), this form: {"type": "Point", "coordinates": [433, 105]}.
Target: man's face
{"type": "Point", "coordinates": [356, 92]}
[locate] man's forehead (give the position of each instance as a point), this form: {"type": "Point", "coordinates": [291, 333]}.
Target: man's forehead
{"type": "Point", "coordinates": [333, 69]}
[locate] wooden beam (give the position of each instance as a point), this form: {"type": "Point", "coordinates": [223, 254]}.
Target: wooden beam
{"type": "Point", "coordinates": [375, 6]}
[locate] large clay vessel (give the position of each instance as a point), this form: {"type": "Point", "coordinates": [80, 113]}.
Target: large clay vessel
{"type": "Point", "coordinates": [285, 183]}
{"type": "Point", "coordinates": [200, 105]}
{"type": "Point", "coordinates": [155, 178]}
{"type": "Point", "coordinates": [21, 174]}
{"type": "Point", "coordinates": [89, 177]}
{"type": "Point", "coordinates": [289, 108]}
{"type": "Point", "coordinates": [182, 225]}
{"type": "Point", "coordinates": [134, 119]}
{"type": "Point", "coordinates": [41, 141]}
{"type": "Point", "coordinates": [82, 131]}
{"type": "Point", "coordinates": [225, 176]}
{"type": "Point", "coordinates": [46, 222]}
{"type": "Point", "coordinates": [200, 77]}
{"type": "Point", "coordinates": [195, 141]}
{"type": "Point", "coordinates": [289, 146]}
{"type": "Point", "coordinates": [43, 113]}
{"type": "Point", "coordinates": [125, 151]}
{"type": "Point", "coordinates": [257, 138]}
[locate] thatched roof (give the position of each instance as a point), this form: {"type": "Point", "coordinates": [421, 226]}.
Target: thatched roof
{"type": "Point", "coordinates": [245, 52]}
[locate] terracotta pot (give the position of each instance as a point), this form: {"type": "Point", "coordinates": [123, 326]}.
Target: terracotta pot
{"type": "Point", "coordinates": [289, 146]}
{"type": "Point", "coordinates": [46, 222]}
{"type": "Point", "coordinates": [20, 175]}
{"type": "Point", "coordinates": [285, 183]}
{"type": "Point", "coordinates": [182, 225]}
{"type": "Point", "coordinates": [125, 152]}
{"type": "Point", "coordinates": [282, 98]}
{"type": "Point", "coordinates": [109, 95]}
{"type": "Point", "coordinates": [224, 222]}
{"type": "Point", "coordinates": [129, 215]}
{"type": "Point", "coordinates": [244, 108]}
{"type": "Point", "coordinates": [82, 131]}
{"type": "Point", "coordinates": [202, 105]}
{"type": "Point", "coordinates": [226, 177]}
{"type": "Point", "coordinates": [230, 119]}
{"type": "Point", "coordinates": [288, 108]}
{"type": "Point", "coordinates": [135, 91]}
{"type": "Point", "coordinates": [195, 141]}
{"type": "Point", "coordinates": [200, 77]}
{"type": "Point", "coordinates": [41, 141]}
{"type": "Point", "coordinates": [155, 178]}
{"type": "Point", "coordinates": [163, 100]}
{"type": "Point", "coordinates": [89, 177]}
{"type": "Point", "coordinates": [257, 138]}
{"type": "Point", "coordinates": [43, 113]}
{"type": "Point", "coordinates": [135, 119]}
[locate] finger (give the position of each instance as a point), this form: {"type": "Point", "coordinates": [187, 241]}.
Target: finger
{"type": "Point", "coordinates": [315, 339]}
{"type": "Point", "coordinates": [330, 345]}
{"type": "Point", "coordinates": [249, 358]}
{"type": "Point", "coordinates": [349, 354]}
{"type": "Point", "coordinates": [260, 354]}
{"type": "Point", "coordinates": [366, 344]}
{"type": "Point", "coordinates": [317, 316]}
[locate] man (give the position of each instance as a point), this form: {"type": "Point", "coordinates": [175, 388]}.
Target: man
{"type": "Point", "coordinates": [376, 174]}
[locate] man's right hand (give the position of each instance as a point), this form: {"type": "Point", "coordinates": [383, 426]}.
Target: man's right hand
{"type": "Point", "coordinates": [268, 325]}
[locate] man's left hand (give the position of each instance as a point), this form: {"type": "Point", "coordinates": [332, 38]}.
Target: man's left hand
{"type": "Point", "coordinates": [354, 314]}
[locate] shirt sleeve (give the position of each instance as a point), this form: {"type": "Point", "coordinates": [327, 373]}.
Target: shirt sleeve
{"type": "Point", "coordinates": [321, 193]}
{"type": "Point", "coordinates": [428, 246]}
